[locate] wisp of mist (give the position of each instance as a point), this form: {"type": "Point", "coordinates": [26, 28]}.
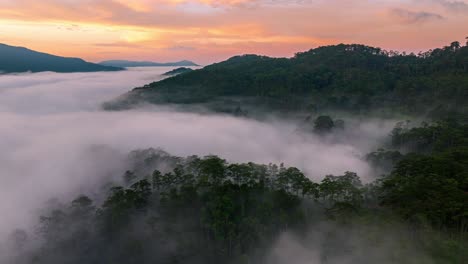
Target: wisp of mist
{"type": "Point", "coordinates": [50, 123]}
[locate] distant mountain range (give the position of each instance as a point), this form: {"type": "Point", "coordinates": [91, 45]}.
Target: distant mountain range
{"type": "Point", "coordinates": [126, 63]}
{"type": "Point", "coordinates": [19, 59]}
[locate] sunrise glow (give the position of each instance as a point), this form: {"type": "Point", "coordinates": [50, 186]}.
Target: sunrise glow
{"type": "Point", "coordinates": [212, 30]}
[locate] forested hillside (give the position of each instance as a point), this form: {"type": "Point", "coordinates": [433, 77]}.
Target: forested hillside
{"type": "Point", "coordinates": [353, 78]}
{"type": "Point", "coordinates": [169, 209]}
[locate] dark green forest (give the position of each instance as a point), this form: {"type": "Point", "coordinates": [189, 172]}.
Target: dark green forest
{"type": "Point", "coordinates": [353, 78]}
{"type": "Point", "coordinates": [168, 209]}
{"type": "Point", "coordinates": [177, 71]}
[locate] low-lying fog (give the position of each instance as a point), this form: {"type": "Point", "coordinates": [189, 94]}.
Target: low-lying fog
{"type": "Point", "coordinates": [50, 123]}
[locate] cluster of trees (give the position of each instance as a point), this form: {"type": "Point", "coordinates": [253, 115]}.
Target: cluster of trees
{"type": "Point", "coordinates": [322, 124]}
{"type": "Point", "coordinates": [347, 77]}
{"type": "Point", "coordinates": [448, 135]}
{"type": "Point", "coordinates": [429, 138]}
{"type": "Point", "coordinates": [205, 210]}
{"type": "Point", "coordinates": [430, 181]}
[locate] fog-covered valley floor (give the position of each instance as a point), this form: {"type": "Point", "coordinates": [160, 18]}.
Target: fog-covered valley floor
{"type": "Point", "coordinates": [51, 124]}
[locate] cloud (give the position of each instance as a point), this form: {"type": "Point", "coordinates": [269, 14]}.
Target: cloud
{"type": "Point", "coordinates": [331, 242]}
{"type": "Point", "coordinates": [51, 125]}
{"type": "Point", "coordinates": [120, 44]}
{"type": "Point", "coordinates": [454, 6]}
{"type": "Point", "coordinates": [407, 16]}
{"type": "Point", "coordinates": [180, 48]}
{"type": "Point", "coordinates": [255, 3]}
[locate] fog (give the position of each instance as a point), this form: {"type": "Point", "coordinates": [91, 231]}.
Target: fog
{"type": "Point", "coordinates": [51, 122]}
{"type": "Point", "coordinates": [329, 242]}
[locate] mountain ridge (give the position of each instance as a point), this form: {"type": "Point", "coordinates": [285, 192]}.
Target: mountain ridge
{"type": "Point", "coordinates": [21, 59]}
{"type": "Point", "coordinates": [349, 77]}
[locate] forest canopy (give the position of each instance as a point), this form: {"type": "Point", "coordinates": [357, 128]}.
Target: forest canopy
{"type": "Point", "coordinates": [169, 209]}
{"type": "Point", "coordinates": [354, 78]}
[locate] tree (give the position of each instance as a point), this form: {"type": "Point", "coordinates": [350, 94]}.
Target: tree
{"type": "Point", "coordinates": [323, 124]}
{"type": "Point", "coordinates": [129, 177]}
{"type": "Point", "coordinates": [340, 124]}
{"type": "Point", "coordinates": [213, 169]}
{"type": "Point", "coordinates": [342, 189]}
{"type": "Point", "coordinates": [455, 45]}
{"type": "Point", "coordinates": [430, 187]}
{"type": "Point", "coordinates": [157, 181]}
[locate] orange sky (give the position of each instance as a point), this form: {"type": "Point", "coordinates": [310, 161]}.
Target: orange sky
{"type": "Point", "coordinates": [212, 30]}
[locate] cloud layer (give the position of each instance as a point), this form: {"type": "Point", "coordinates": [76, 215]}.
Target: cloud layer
{"type": "Point", "coordinates": [51, 125]}
{"type": "Point", "coordinates": [407, 16]}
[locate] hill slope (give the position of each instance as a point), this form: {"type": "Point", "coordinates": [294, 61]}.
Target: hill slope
{"type": "Point", "coordinates": [18, 59]}
{"type": "Point", "coordinates": [177, 71]}
{"type": "Point", "coordinates": [342, 77]}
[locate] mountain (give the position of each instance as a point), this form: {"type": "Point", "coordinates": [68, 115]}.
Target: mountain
{"type": "Point", "coordinates": [177, 71]}
{"type": "Point", "coordinates": [353, 78]}
{"type": "Point", "coordinates": [19, 59]}
{"type": "Point", "coordinates": [126, 63]}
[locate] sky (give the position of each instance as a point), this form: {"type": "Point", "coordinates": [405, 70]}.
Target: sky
{"type": "Point", "coordinates": [207, 31]}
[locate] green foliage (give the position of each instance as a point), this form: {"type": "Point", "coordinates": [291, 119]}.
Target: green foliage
{"type": "Point", "coordinates": [443, 135]}
{"type": "Point", "coordinates": [433, 187]}
{"type": "Point", "coordinates": [323, 124]}
{"type": "Point", "coordinates": [206, 210]}
{"type": "Point", "coordinates": [176, 71]}
{"type": "Point", "coordinates": [431, 183]}
{"type": "Point", "coordinates": [232, 209]}
{"type": "Point", "coordinates": [354, 78]}
{"type": "Point", "coordinates": [384, 159]}
{"type": "Point", "coordinates": [344, 188]}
